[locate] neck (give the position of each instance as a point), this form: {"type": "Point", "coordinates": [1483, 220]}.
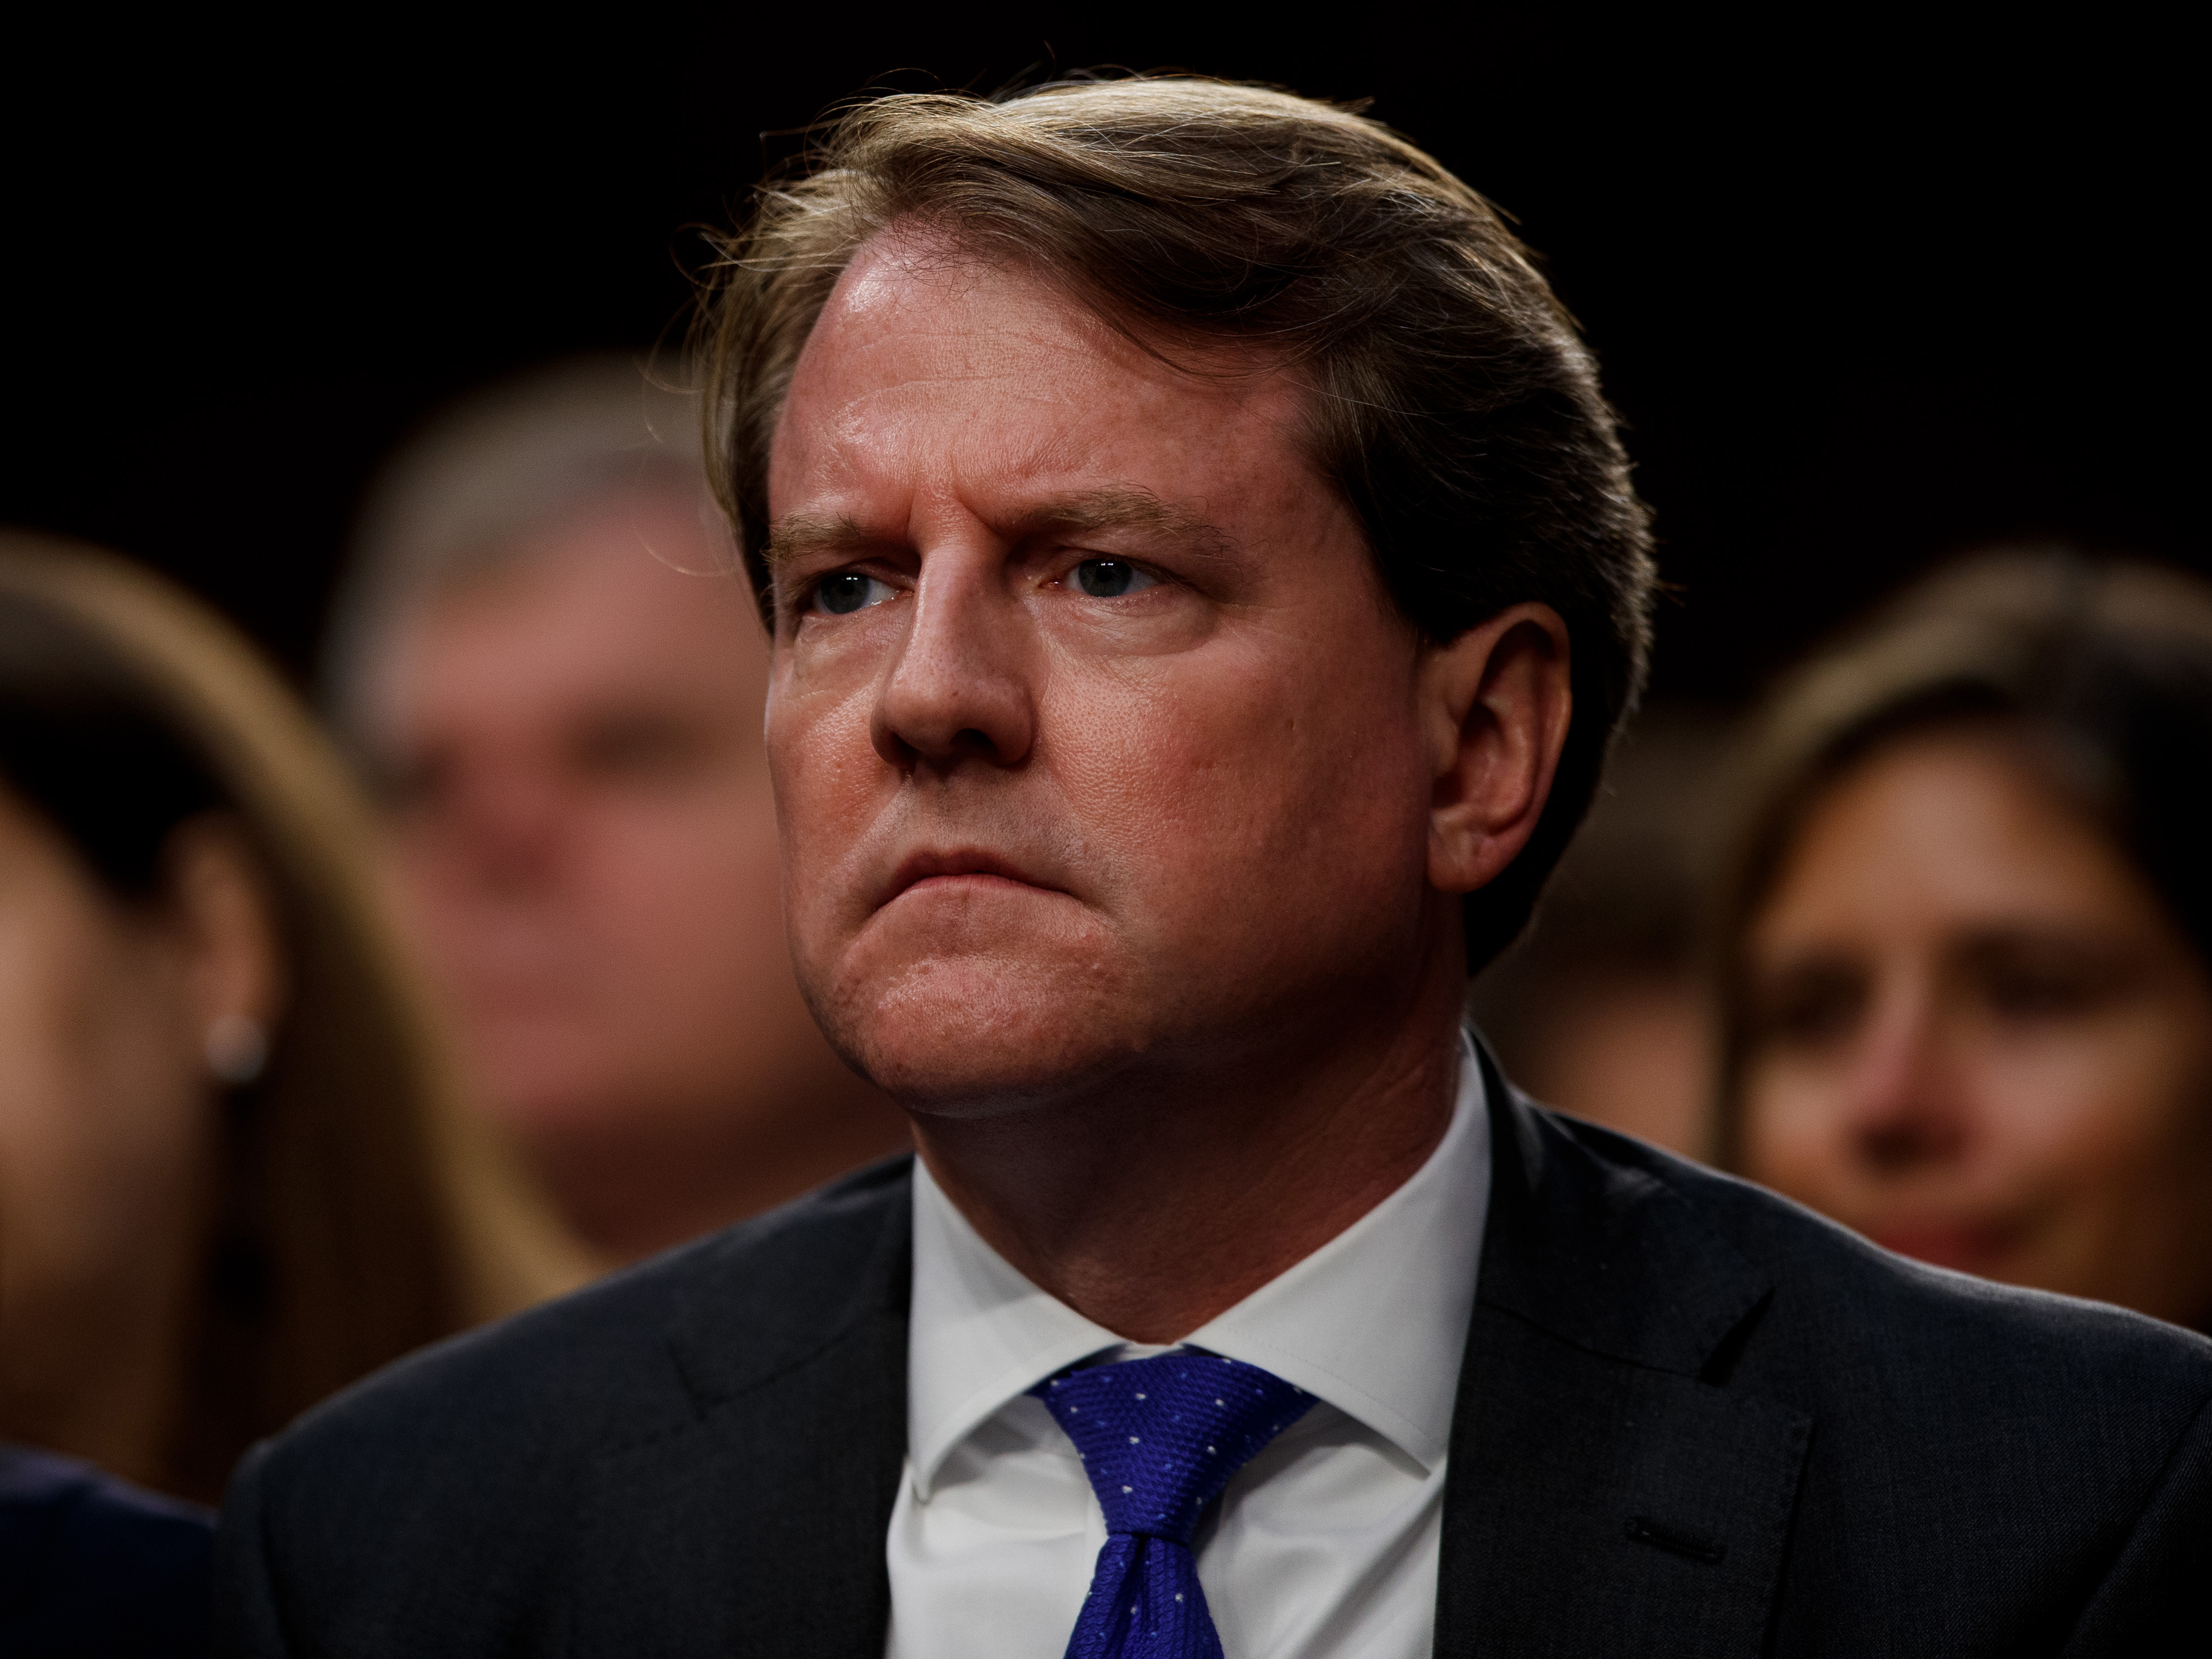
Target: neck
{"type": "Point", "coordinates": [100, 1375]}
{"type": "Point", "coordinates": [1154, 1204]}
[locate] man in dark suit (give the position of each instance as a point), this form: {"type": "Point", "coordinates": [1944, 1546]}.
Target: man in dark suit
{"type": "Point", "coordinates": [1204, 581]}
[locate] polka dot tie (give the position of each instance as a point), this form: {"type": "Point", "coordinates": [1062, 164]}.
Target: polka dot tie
{"type": "Point", "coordinates": [1159, 1438]}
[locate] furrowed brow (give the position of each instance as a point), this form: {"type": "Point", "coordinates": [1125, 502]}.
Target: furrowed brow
{"type": "Point", "coordinates": [802, 534]}
{"type": "Point", "coordinates": [1113, 507]}
{"type": "Point", "coordinates": [1120, 507]}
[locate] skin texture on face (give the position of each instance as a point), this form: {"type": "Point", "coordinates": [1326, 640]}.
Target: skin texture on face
{"type": "Point", "coordinates": [584, 850]}
{"type": "Point", "coordinates": [1120, 810]}
{"type": "Point", "coordinates": [108, 1130]}
{"type": "Point", "coordinates": [1979, 1039]}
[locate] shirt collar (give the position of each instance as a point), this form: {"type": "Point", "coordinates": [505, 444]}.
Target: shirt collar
{"type": "Point", "coordinates": [1374, 1322]}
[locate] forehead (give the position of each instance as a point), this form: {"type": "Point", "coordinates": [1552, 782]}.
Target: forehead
{"type": "Point", "coordinates": [1945, 830]}
{"type": "Point", "coordinates": [623, 601]}
{"type": "Point", "coordinates": [931, 374]}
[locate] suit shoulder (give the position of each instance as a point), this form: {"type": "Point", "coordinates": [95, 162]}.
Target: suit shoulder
{"type": "Point", "coordinates": [511, 1407]}
{"type": "Point", "coordinates": [1839, 1300]}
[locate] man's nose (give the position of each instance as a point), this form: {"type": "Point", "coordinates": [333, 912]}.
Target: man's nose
{"type": "Point", "coordinates": [958, 688]}
{"type": "Point", "coordinates": [504, 827]}
{"type": "Point", "coordinates": [1905, 1112]}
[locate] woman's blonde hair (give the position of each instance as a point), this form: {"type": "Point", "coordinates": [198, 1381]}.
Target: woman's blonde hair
{"type": "Point", "coordinates": [359, 1214]}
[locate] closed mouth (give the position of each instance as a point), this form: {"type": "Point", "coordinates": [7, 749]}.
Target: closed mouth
{"type": "Point", "coordinates": [930, 868]}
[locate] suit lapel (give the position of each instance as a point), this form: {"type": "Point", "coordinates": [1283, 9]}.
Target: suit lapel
{"type": "Point", "coordinates": [1604, 1497]}
{"type": "Point", "coordinates": [757, 1529]}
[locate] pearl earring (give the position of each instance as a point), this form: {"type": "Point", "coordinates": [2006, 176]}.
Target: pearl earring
{"type": "Point", "coordinates": [237, 1049]}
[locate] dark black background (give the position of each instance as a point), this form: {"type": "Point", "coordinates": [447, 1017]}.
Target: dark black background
{"type": "Point", "coordinates": [1868, 291]}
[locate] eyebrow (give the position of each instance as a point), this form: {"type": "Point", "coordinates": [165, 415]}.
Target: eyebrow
{"type": "Point", "coordinates": [799, 534]}
{"type": "Point", "coordinates": [1126, 508]}
{"type": "Point", "coordinates": [1118, 506]}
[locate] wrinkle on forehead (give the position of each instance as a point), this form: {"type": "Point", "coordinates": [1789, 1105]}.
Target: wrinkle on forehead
{"type": "Point", "coordinates": [908, 388]}
{"type": "Point", "coordinates": [891, 267]}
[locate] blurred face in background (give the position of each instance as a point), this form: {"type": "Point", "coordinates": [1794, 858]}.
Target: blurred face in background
{"type": "Point", "coordinates": [1975, 1034]}
{"type": "Point", "coordinates": [586, 853]}
{"type": "Point", "coordinates": [108, 1122]}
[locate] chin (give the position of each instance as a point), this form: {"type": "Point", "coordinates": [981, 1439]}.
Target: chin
{"type": "Point", "coordinates": [978, 1001]}
{"type": "Point", "coordinates": [544, 1110]}
{"type": "Point", "coordinates": [976, 1036]}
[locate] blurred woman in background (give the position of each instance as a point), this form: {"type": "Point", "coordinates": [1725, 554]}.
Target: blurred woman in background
{"type": "Point", "coordinates": [232, 1179]}
{"type": "Point", "coordinates": [1964, 949]}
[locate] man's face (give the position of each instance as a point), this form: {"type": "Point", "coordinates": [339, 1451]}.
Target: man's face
{"type": "Point", "coordinates": [1096, 742]}
{"type": "Point", "coordinates": [585, 834]}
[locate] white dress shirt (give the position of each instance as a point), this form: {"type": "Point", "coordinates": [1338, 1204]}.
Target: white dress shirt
{"type": "Point", "coordinates": [1325, 1544]}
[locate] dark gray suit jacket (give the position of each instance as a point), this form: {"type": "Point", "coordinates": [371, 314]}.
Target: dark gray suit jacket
{"type": "Point", "coordinates": [1692, 1419]}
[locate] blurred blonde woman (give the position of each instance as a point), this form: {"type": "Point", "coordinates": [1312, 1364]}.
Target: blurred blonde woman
{"type": "Point", "coordinates": [1966, 951]}
{"type": "Point", "coordinates": [232, 1176]}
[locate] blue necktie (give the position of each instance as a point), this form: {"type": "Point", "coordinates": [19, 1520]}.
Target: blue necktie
{"type": "Point", "coordinates": [1159, 1438]}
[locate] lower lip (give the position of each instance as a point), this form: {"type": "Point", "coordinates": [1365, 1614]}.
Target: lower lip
{"type": "Point", "coordinates": [972, 879]}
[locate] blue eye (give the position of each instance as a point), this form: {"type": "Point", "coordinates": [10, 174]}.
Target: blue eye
{"type": "Point", "coordinates": [848, 591]}
{"type": "Point", "coordinates": [1109, 579]}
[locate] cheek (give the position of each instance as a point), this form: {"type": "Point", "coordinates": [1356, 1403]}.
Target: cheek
{"type": "Point", "coordinates": [827, 784]}
{"type": "Point", "coordinates": [704, 850]}
{"type": "Point", "coordinates": [686, 900]}
{"type": "Point", "coordinates": [44, 1118]}
{"type": "Point", "coordinates": [2105, 1108]}
{"type": "Point", "coordinates": [1794, 1126]}
{"type": "Point", "coordinates": [102, 1116]}
{"type": "Point", "coordinates": [69, 1005]}
{"type": "Point", "coordinates": [1241, 787]}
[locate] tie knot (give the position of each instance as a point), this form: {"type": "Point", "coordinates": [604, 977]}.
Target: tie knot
{"type": "Point", "coordinates": [1160, 1437]}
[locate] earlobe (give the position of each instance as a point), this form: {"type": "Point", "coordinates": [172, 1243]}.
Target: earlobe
{"type": "Point", "coordinates": [236, 1048]}
{"type": "Point", "coordinates": [1499, 701]}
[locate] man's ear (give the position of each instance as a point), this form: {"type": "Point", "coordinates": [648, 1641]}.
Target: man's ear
{"type": "Point", "coordinates": [1497, 701]}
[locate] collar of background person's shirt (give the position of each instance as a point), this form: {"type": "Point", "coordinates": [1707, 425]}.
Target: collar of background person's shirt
{"type": "Point", "coordinates": [1374, 1322]}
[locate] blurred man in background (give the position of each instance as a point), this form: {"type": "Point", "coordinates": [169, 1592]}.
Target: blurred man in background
{"type": "Point", "coordinates": [542, 656]}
